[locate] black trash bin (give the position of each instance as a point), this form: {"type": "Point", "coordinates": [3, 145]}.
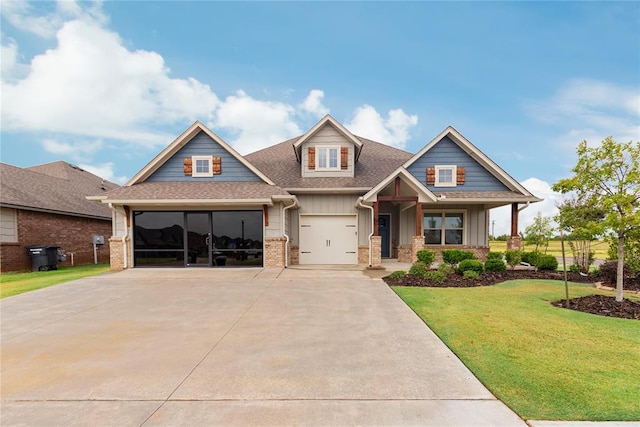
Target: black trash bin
{"type": "Point", "coordinates": [43, 257]}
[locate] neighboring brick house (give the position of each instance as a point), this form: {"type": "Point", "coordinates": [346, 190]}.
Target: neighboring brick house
{"type": "Point", "coordinates": [325, 197]}
{"type": "Point", "coordinates": [46, 205]}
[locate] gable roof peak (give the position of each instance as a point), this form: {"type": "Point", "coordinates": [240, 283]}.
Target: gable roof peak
{"type": "Point", "coordinates": [328, 120]}
{"type": "Point", "coordinates": [180, 142]}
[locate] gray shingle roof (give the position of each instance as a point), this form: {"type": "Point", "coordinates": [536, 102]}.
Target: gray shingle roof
{"type": "Point", "coordinates": [376, 162]}
{"type": "Point", "coordinates": [57, 187]}
{"type": "Point", "coordinates": [196, 190]}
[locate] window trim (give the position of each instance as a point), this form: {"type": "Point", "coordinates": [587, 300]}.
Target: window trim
{"type": "Point", "coordinates": [13, 222]}
{"type": "Point", "coordinates": [443, 230]}
{"type": "Point", "coordinates": [194, 170]}
{"type": "Point", "coordinates": [327, 149]}
{"type": "Point", "coordinates": [453, 169]}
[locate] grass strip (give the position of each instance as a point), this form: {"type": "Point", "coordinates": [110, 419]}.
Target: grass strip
{"type": "Point", "coordinates": [18, 283]}
{"type": "Point", "coordinates": [544, 362]}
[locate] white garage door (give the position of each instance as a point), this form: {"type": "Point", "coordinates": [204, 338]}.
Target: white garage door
{"type": "Point", "coordinates": [328, 239]}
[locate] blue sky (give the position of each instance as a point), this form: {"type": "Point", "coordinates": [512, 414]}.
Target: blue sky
{"type": "Point", "coordinates": [107, 85]}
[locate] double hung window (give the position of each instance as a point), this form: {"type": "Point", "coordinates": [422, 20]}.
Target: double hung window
{"type": "Point", "coordinates": [443, 228]}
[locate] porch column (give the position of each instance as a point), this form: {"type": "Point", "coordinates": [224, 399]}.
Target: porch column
{"type": "Point", "coordinates": [513, 244]}
{"type": "Point", "coordinates": [375, 218]}
{"type": "Point", "coordinates": [418, 219]}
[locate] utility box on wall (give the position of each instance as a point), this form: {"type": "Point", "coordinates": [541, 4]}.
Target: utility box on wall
{"type": "Point", "coordinates": [98, 240]}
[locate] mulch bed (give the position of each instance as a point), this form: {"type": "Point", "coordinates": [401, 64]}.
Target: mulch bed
{"type": "Point", "coordinates": [603, 306]}
{"type": "Point", "coordinates": [594, 304]}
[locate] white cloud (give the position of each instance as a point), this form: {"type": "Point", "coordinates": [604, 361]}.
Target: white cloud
{"type": "Point", "coordinates": [313, 103]}
{"type": "Point", "coordinates": [588, 109]}
{"type": "Point", "coordinates": [8, 58]}
{"type": "Point", "coordinates": [106, 171]}
{"type": "Point", "coordinates": [24, 16]}
{"type": "Point", "coordinates": [539, 188]}
{"type": "Point", "coordinates": [394, 130]}
{"type": "Point", "coordinates": [77, 150]}
{"type": "Point", "coordinates": [255, 124]}
{"type": "Point", "coordinates": [91, 84]}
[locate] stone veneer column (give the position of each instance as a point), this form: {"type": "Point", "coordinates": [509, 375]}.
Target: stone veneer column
{"type": "Point", "coordinates": [116, 253]}
{"type": "Point", "coordinates": [514, 243]}
{"type": "Point", "coordinates": [274, 252]}
{"type": "Point", "coordinates": [417, 244]}
{"type": "Point", "coordinates": [376, 251]}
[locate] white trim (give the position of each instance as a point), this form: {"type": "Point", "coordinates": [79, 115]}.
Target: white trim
{"type": "Point", "coordinates": [424, 194]}
{"type": "Point", "coordinates": [328, 190]}
{"type": "Point", "coordinates": [180, 142]}
{"type": "Point", "coordinates": [297, 146]}
{"type": "Point", "coordinates": [453, 169]}
{"type": "Point", "coordinates": [194, 166]}
{"type": "Point", "coordinates": [191, 202]}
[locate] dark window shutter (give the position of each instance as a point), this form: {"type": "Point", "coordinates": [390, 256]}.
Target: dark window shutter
{"type": "Point", "coordinates": [187, 166]}
{"type": "Point", "coordinates": [431, 176]}
{"type": "Point", "coordinates": [311, 159]}
{"type": "Point", "coordinates": [460, 175]}
{"type": "Point", "coordinates": [344, 158]}
{"type": "Point", "coordinates": [216, 163]}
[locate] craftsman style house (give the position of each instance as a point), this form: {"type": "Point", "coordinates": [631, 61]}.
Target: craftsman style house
{"type": "Point", "coordinates": [326, 197]}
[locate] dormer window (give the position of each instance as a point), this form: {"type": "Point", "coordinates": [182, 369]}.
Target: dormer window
{"type": "Point", "coordinates": [445, 176]}
{"type": "Point", "coordinates": [327, 158]}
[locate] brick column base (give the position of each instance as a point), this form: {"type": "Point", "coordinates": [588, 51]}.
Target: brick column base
{"type": "Point", "coordinates": [514, 243]}
{"type": "Point", "coordinates": [417, 244]}
{"type": "Point", "coordinates": [116, 253]}
{"type": "Point", "coordinates": [274, 252]}
{"type": "Point", "coordinates": [376, 251]}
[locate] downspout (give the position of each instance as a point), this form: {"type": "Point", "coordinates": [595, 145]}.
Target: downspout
{"type": "Point", "coordinates": [524, 207]}
{"type": "Point", "coordinates": [360, 204]}
{"type": "Point", "coordinates": [284, 233]}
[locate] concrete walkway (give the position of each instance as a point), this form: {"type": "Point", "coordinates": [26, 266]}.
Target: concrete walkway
{"type": "Point", "coordinates": [231, 347]}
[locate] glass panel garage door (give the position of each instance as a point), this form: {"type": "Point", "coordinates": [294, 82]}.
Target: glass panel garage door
{"type": "Point", "coordinates": [210, 239]}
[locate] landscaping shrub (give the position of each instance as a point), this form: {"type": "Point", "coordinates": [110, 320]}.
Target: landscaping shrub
{"type": "Point", "coordinates": [547, 262]}
{"type": "Point", "coordinates": [455, 256]}
{"type": "Point", "coordinates": [470, 264]}
{"type": "Point", "coordinates": [495, 265]}
{"type": "Point", "coordinates": [427, 256]}
{"type": "Point", "coordinates": [513, 258]}
{"type": "Point", "coordinates": [609, 270]}
{"type": "Point", "coordinates": [418, 269]}
{"type": "Point", "coordinates": [494, 255]}
{"type": "Point", "coordinates": [446, 269]}
{"type": "Point", "coordinates": [435, 275]}
{"type": "Point", "coordinates": [399, 274]}
{"type": "Point", "coordinates": [531, 257]}
{"type": "Point", "coordinates": [470, 274]}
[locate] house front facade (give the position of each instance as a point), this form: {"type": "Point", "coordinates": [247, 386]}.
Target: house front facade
{"type": "Point", "coordinates": [326, 197]}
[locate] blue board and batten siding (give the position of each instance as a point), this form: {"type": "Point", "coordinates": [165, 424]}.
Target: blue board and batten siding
{"type": "Point", "coordinates": [447, 152]}
{"type": "Point", "coordinates": [202, 145]}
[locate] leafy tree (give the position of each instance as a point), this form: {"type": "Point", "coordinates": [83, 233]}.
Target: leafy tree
{"type": "Point", "coordinates": [584, 224]}
{"type": "Point", "coordinates": [607, 178]}
{"type": "Point", "coordinates": [539, 232]}
{"type": "Point", "coordinates": [631, 251]}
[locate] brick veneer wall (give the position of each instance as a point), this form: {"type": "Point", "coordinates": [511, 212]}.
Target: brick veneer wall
{"type": "Point", "coordinates": [274, 252]}
{"type": "Point", "coordinates": [116, 261]}
{"type": "Point", "coordinates": [294, 255]}
{"type": "Point", "coordinates": [376, 251]}
{"type": "Point", "coordinates": [72, 234]}
{"type": "Point", "coordinates": [363, 255]}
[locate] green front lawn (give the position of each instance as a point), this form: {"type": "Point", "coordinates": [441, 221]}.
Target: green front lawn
{"type": "Point", "coordinates": [543, 362]}
{"type": "Point", "coordinates": [17, 283]}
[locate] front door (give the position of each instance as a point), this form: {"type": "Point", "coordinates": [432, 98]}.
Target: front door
{"type": "Point", "coordinates": [384, 231]}
{"type": "Point", "coordinates": [198, 239]}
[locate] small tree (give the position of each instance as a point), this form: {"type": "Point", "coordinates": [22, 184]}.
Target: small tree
{"type": "Point", "coordinates": [539, 233]}
{"type": "Point", "coordinates": [607, 177]}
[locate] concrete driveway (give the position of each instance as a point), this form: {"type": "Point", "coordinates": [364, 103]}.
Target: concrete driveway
{"type": "Point", "coordinates": [231, 347]}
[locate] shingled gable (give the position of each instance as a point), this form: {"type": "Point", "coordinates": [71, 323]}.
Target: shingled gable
{"type": "Point", "coordinates": [484, 161]}
{"type": "Point", "coordinates": [180, 142]}
{"type": "Point", "coordinates": [327, 121]}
